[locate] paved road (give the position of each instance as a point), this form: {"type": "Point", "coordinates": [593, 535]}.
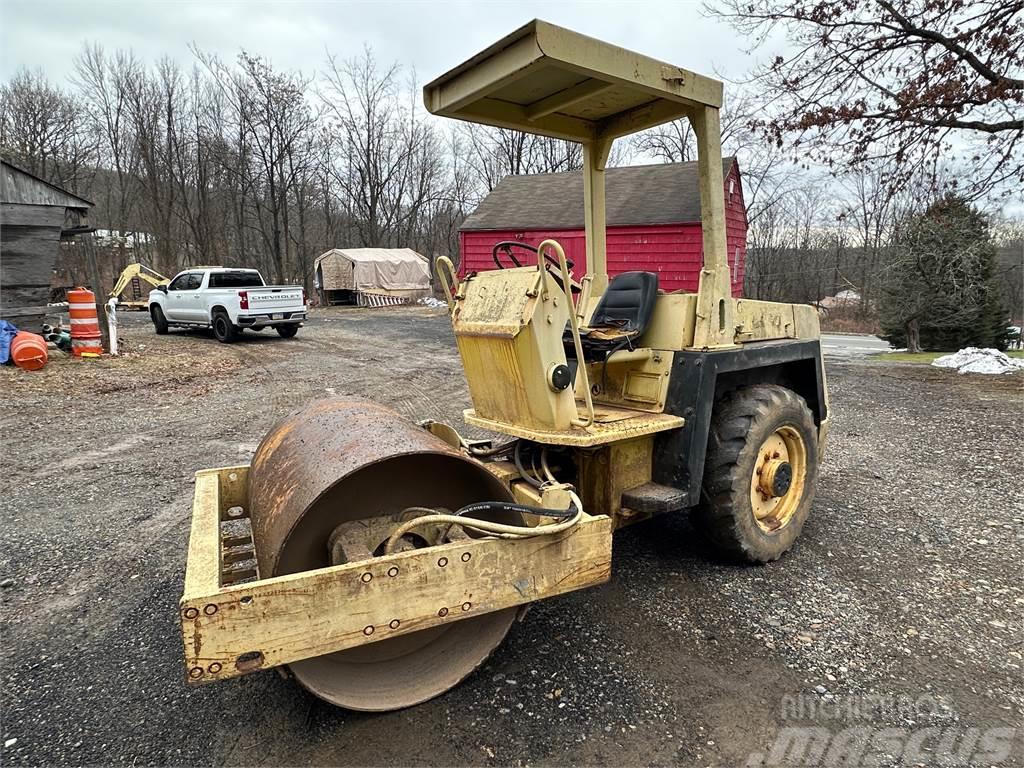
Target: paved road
{"type": "Point", "coordinates": [849, 346]}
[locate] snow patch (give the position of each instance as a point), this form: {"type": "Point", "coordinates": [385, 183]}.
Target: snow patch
{"type": "Point", "coordinates": [975, 360]}
{"type": "Point", "coordinates": [430, 301]}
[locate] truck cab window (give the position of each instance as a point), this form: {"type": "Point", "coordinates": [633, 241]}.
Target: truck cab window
{"type": "Point", "coordinates": [243, 278]}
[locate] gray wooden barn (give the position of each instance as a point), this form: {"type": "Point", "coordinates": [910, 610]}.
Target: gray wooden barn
{"type": "Point", "coordinates": [34, 216]}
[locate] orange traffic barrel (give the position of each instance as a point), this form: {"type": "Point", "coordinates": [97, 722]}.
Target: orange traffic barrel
{"type": "Point", "coordinates": [85, 327]}
{"type": "Point", "coordinates": [28, 351]}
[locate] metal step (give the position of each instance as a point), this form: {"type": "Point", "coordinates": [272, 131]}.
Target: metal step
{"type": "Point", "coordinates": [654, 497]}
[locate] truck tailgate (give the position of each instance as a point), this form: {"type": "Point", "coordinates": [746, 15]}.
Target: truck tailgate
{"type": "Point", "coordinates": [287, 298]}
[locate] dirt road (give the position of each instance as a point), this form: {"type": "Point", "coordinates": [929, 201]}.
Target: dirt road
{"type": "Point", "coordinates": [900, 607]}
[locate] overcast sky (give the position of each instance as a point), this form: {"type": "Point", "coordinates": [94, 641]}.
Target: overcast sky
{"type": "Point", "coordinates": [430, 35]}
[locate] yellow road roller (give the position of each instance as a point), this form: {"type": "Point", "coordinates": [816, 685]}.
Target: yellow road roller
{"type": "Point", "coordinates": [381, 561]}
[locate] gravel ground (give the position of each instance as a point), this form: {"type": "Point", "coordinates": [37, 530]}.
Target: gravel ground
{"type": "Point", "coordinates": [900, 607]}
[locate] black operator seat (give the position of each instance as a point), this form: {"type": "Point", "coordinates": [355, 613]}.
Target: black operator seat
{"type": "Point", "coordinates": [620, 318]}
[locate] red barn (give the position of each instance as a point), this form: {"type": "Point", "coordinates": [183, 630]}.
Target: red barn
{"type": "Point", "coordinates": [653, 221]}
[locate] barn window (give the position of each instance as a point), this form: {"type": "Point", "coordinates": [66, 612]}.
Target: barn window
{"type": "Point", "coordinates": [732, 190]}
{"type": "Point", "coordinates": [736, 265]}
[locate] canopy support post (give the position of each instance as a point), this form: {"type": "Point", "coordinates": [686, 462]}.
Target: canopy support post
{"type": "Point", "coordinates": [595, 157]}
{"type": "Point", "coordinates": [715, 325]}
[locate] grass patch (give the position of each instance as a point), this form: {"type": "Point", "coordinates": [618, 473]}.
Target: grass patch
{"type": "Point", "coordinates": [928, 357]}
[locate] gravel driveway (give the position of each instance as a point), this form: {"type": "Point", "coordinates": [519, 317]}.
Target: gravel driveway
{"type": "Point", "coordinates": [900, 608]}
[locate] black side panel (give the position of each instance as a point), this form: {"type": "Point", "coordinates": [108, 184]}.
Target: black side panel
{"type": "Point", "coordinates": [701, 378]}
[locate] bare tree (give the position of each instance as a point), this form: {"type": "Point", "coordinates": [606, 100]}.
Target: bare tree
{"type": "Point", "coordinates": [495, 153]}
{"type": "Point", "coordinates": [1008, 235]}
{"type": "Point", "coordinates": [766, 172]}
{"type": "Point", "coordinates": [153, 105]}
{"type": "Point", "coordinates": [45, 130]}
{"type": "Point", "coordinates": [902, 84]}
{"type": "Point", "coordinates": [872, 211]}
{"type": "Point", "coordinates": [672, 142]}
{"type": "Point", "coordinates": [105, 83]}
{"type": "Point", "coordinates": [201, 184]}
{"type": "Point", "coordinates": [235, 163]}
{"type": "Point", "coordinates": [797, 251]}
{"type": "Point", "coordinates": [275, 120]}
{"type": "Point", "coordinates": [386, 160]}
{"type": "Point", "coordinates": [362, 101]}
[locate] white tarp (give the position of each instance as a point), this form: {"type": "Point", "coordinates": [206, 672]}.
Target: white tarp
{"type": "Point", "coordinates": [392, 269]}
{"type": "Point", "coordinates": [975, 360]}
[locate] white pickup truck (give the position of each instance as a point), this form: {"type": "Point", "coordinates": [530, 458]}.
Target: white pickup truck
{"type": "Point", "coordinates": [227, 300]}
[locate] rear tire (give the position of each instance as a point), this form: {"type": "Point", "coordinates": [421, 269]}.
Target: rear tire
{"type": "Point", "coordinates": [223, 330]}
{"type": "Point", "coordinates": [759, 434]}
{"type": "Point", "coordinates": [159, 321]}
{"type": "Point", "coordinates": [287, 331]}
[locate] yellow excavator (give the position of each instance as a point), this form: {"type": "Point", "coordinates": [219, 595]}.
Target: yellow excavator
{"type": "Point", "coordinates": [382, 560]}
{"type": "Point", "coordinates": [131, 281]}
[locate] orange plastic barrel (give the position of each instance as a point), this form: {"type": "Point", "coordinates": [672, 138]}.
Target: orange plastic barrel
{"type": "Point", "coordinates": [28, 351]}
{"type": "Point", "coordinates": [85, 327]}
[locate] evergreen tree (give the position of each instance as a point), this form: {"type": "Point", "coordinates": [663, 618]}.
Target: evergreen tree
{"type": "Point", "coordinates": [941, 292]}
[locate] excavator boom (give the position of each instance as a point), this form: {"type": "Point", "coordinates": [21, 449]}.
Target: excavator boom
{"type": "Point", "coordinates": [130, 278]}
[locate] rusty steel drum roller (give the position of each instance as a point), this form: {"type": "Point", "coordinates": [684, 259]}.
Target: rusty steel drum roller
{"type": "Point", "coordinates": [350, 459]}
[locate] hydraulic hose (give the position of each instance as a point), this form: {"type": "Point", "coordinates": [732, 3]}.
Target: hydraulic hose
{"type": "Point", "coordinates": [505, 506]}
{"type": "Point", "coordinates": [569, 518]}
{"type": "Point", "coordinates": [496, 450]}
{"type": "Point", "coordinates": [547, 467]}
{"type": "Point", "coordinates": [531, 479]}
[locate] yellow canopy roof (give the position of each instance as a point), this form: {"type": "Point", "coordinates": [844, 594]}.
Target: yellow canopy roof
{"type": "Point", "coordinates": [552, 81]}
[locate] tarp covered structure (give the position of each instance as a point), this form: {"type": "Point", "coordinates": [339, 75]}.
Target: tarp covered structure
{"type": "Point", "coordinates": [372, 270]}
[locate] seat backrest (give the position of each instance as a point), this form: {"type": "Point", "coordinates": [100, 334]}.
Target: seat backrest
{"type": "Point", "coordinates": [627, 303]}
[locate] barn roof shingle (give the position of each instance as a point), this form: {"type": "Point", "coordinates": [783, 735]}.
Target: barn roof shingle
{"type": "Point", "coordinates": [666, 193]}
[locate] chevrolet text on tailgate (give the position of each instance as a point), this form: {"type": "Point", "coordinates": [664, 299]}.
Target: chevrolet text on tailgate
{"type": "Point", "coordinates": [227, 300]}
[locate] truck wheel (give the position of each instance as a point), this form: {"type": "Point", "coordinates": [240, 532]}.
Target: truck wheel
{"type": "Point", "coordinates": [760, 472]}
{"type": "Point", "coordinates": [223, 330]}
{"type": "Point", "coordinates": [287, 331]}
{"type": "Point", "coordinates": [159, 321]}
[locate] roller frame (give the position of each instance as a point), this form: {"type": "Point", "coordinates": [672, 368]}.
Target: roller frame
{"type": "Point", "coordinates": [303, 615]}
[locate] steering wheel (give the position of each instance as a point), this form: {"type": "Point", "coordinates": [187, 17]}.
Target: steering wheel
{"type": "Point", "coordinates": [506, 247]}
{"type": "Point", "coordinates": [552, 265]}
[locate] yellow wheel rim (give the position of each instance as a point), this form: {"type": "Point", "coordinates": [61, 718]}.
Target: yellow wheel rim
{"type": "Point", "coordinates": [778, 480]}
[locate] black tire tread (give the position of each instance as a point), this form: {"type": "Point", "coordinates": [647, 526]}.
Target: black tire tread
{"type": "Point", "coordinates": [232, 333]}
{"type": "Point", "coordinates": [736, 417]}
{"type": "Point", "coordinates": [156, 314]}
